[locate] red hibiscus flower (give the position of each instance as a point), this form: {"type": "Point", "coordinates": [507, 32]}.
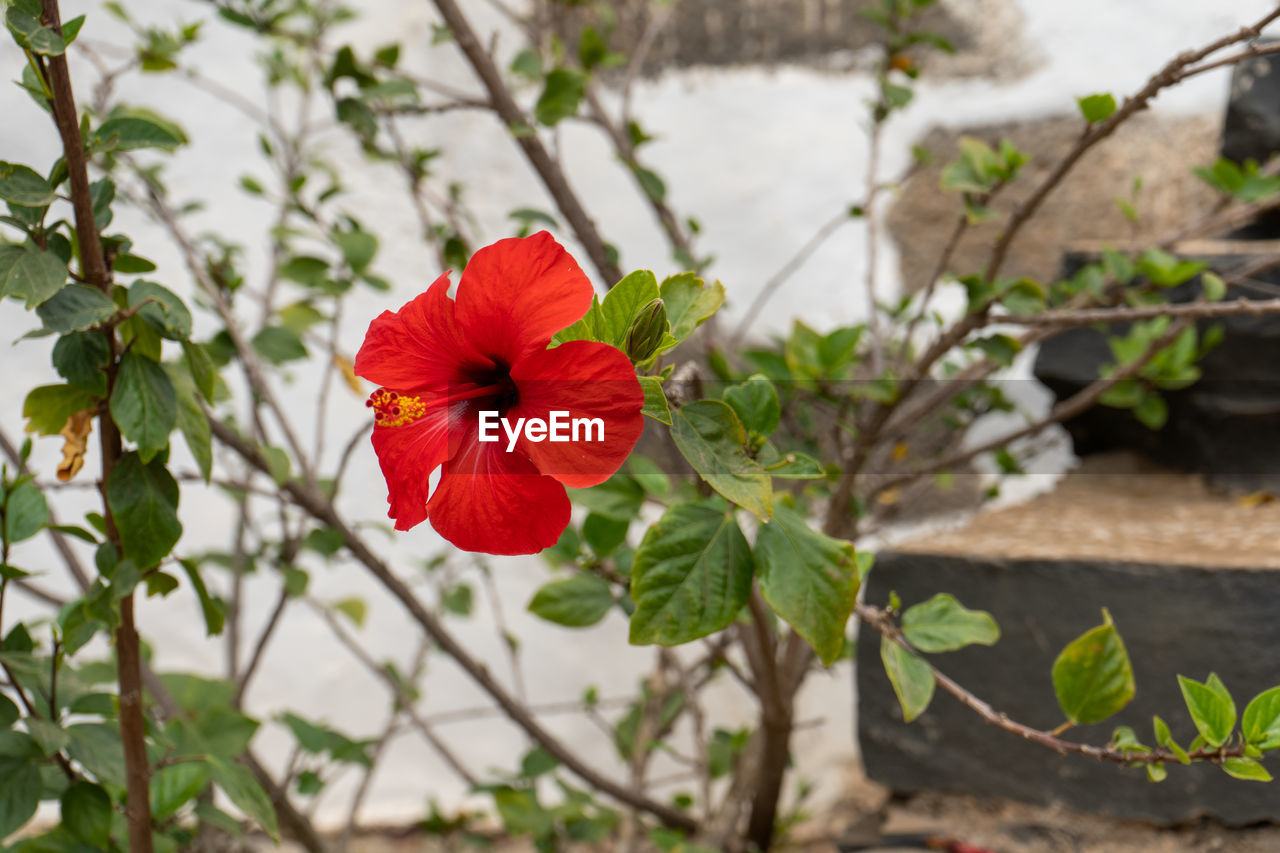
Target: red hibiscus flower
{"type": "Point", "coordinates": [465, 383]}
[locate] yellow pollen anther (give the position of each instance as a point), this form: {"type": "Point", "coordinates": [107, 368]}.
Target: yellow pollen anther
{"type": "Point", "coordinates": [392, 410]}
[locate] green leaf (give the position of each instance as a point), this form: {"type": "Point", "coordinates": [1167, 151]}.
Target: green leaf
{"type": "Point", "coordinates": [278, 463]}
{"type": "Point", "coordinates": [213, 609]}
{"type": "Point", "coordinates": [192, 422]}
{"type": "Point", "coordinates": [1261, 721]}
{"type": "Point", "coordinates": [690, 576]}
{"type": "Point", "coordinates": [132, 264]}
{"type": "Point", "coordinates": [655, 399]}
{"type": "Point", "coordinates": [166, 310]}
{"type": "Point", "coordinates": [30, 274]}
{"type": "Point", "coordinates": [1001, 349]}
{"type": "Point", "coordinates": [561, 94]}
{"type": "Point", "coordinates": [24, 186]}
{"type": "Point", "coordinates": [133, 132]}
{"type": "Point", "coordinates": [604, 534]}
{"type": "Point", "coordinates": [621, 304]}
{"type": "Point", "coordinates": [1152, 411]}
{"type": "Point", "coordinates": [791, 466]}
{"type": "Point", "coordinates": [174, 786]}
{"type": "Point", "coordinates": [25, 513]}
{"type": "Point", "coordinates": [1096, 108]}
{"type": "Point", "coordinates": [144, 500]}
{"type": "Point", "coordinates": [1092, 675]}
{"type": "Point", "coordinates": [710, 436]}
{"type": "Point", "coordinates": [574, 602]}
{"type": "Point", "coordinates": [1165, 738]}
{"type": "Point", "coordinates": [943, 624]}
{"type": "Point", "coordinates": [756, 403]}
{"type": "Point", "coordinates": [144, 404]}
{"type": "Point", "coordinates": [618, 497]}
{"type": "Point", "coordinates": [690, 302]}
{"type": "Point", "coordinates": [354, 609]}
{"type": "Point", "coordinates": [19, 794]}
{"type": "Point", "coordinates": [911, 677]}
{"type": "Point", "coordinates": [240, 786]}
{"type": "Point", "coordinates": [97, 747]}
{"type": "Point", "coordinates": [86, 814]}
{"type": "Point", "coordinates": [810, 579]}
{"type": "Point", "coordinates": [358, 248]}
{"type": "Point", "coordinates": [81, 359]}
{"type": "Point", "coordinates": [9, 712]}
{"type": "Point", "coordinates": [277, 344]}
{"type": "Point", "coordinates": [203, 371]}
{"type": "Point", "coordinates": [1247, 769]}
{"type": "Point", "coordinates": [1214, 287]}
{"type": "Point", "coordinates": [74, 308]}
{"type": "Point", "coordinates": [304, 269]}
{"type": "Point", "coordinates": [47, 407]}
{"type": "Point", "coordinates": [1211, 708]}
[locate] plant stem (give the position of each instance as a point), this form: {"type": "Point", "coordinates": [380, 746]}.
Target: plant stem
{"type": "Point", "coordinates": [93, 268]}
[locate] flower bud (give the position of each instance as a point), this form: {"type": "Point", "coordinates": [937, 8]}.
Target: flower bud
{"type": "Point", "coordinates": [647, 331]}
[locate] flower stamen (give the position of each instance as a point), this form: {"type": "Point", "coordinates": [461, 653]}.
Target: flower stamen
{"type": "Point", "coordinates": [392, 410]}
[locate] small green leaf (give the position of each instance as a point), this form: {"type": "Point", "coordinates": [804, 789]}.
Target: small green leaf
{"type": "Point", "coordinates": [133, 132]}
{"type": "Point", "coordinates": [144, 404]}
{"type": "Point", "coordinates": [1247, 769]}
{"type": "Point", "coordinates": [1261, 721]}
{"type": "Point", "coordinates": [174, 786]}
{"type": "Point", "coordinates": [47, 407]}
{"type": "Point", "coordinates": [1214, 287]}
{"type": "Point", "coordinates": [30, 273]}
{"type": "Point", "coordinates": [358, 248]}
{"type": "Point", "coordinates": [1212, 711]}
{"type": "Point", "coordinates": [574, 602]}
{"type": "Point", "coordinates": [1165, 738]}
{"type": "Point", "coordinates": [690, 302]}
{"type": "Point", "coordinates": [86, 814]}
{"type": "Point", "coordinates": [562, 93]}
{"type": "Point", "coordinates": [943, 624]}
{"type": "Point", "coordinates": [75, 308]}
{"type": "Point", "coordinates": [911, 677]}
{"type": "Point", "coordinates": [1092, 676]}
{"type": "Point", "coordinates": [25, 513]}
{"type": "Point", "coordinates": [756, 403]}
{"type": "Point", "coordinates": [690, 576]}
{"type": "Point", "coordinates": [620, 305]}
{"type": "Point", "coordinates": [655, 399]}
{"type": "Point", "coordinates": [144, 499]}
{"type": "Point", "coordinates": [710, 436]}
{"type": "Point", "coordinates": [354, 609]}
{"type": "Point", "coordinates": [1096, 108]}
{"type": "Point", "coordinates": [243, 790]}
{"type": "Point", "coordinates": [164, 309]}
{"type": "Point", "coordinates": [604, 534]}
{"type": "Point", "coordinates": [24, 186]}
{"type": "Point", "coordinates": [19, 794]}
{"type": "Point", "coordinates": [808, 578]}
{"type": "Point", "coordinates": [277, 344]}
{"type": "Point", "coordinates": [81, 359]}
{"type": "Point", "coordinates": [213, 609]}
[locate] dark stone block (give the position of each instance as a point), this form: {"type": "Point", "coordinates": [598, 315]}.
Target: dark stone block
{"type": "Point", "coordinates": [1174, 619]}
{"type": "Point", "coordinates": [1226, 426]}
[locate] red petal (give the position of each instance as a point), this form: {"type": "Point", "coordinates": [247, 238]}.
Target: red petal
{"type": "Point", "coordinates": [496, 502]}
{"type": "Point", "coordinates": [517, 293]}
{"type": "Point", "coordinates": [587, 380]}
{"type": "Point", "coordinates": [408, 454]}
{"type": "Point", "coordinates": [420, 348]}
